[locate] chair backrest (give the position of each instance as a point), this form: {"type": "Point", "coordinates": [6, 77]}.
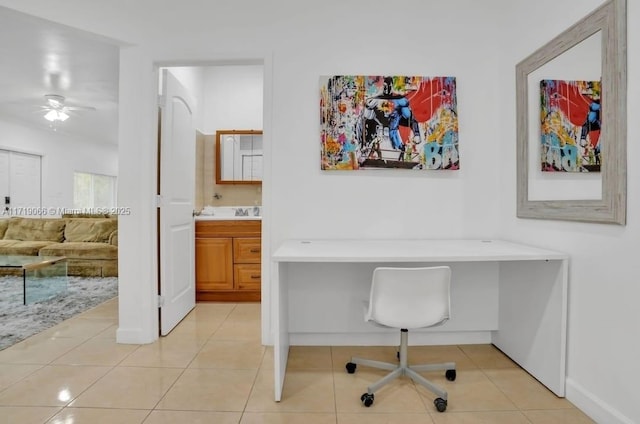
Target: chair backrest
{"type": "Point", "coordinates": [410, 297]}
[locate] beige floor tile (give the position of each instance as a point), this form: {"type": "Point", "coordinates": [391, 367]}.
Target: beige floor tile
{"type": "Point", "coordinates": [99, 416]}
{"type": "Point", "coordinates": [525, 391]}
{"type": "Point", "coordinates": [399, 396]}
{"type": "Point", "coordinates": [499, 417]}
{"type": "Point", "coordinates": [471, 391]}
{"type": "Point", "coordinates": [210, 390]}
{"type": "Point", "coordinates": [109, 333]}
{"type": "Point", "coordinates": [11, 373]}
{"type": "Point", "coordinates": [239, 330]}
{"type": "Point", "coordinates": [438, 354]}
{"type": "Point", "coordinates": [53, 385]}
{"type": "Point", "coordinates": [246, 312]}
{"type": "Point", "coordinates": [392, 418]}
{"type": "Point", "coordinates": [487, 356]}
{"type": "Point", "coordinates": [38, 350]}
{"type": "Point", "coordinates": [192, 417]}
{"type": "Point", "coordinates": [210, 311]}
{"type": "Point", "coordinates": [199, 331]}
{"type": "Point", "coordinates": [562, 416]}
{"type": "Point", "coordinates": [340, 355]}
{"type": "Point", "coordinates": [106, 310]}
{"type": "Point", "coordinates": [229, 354]}
{"type": "Point", "coordinates": [304, 391]}
{"type": "Point", "coordinates": [229, 379]}
{"type": "Point", "coordinates": [309, 358]}
{"type": "Point", "coordinates": [287, 418]}
{"type": "Point", "coordinates": [78, 328]}
{"type": "Point", "coordinates": [129, 387]}
{"type": "Point", "coordinates": [96, 351]}
{"type": "Point", "coordinates": [26, 414]}
{"type": "Point", "coordinates": [167, 352]}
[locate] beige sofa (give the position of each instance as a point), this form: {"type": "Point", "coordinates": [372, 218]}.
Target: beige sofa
{"type": "Point", "coordinates": [90, 244]}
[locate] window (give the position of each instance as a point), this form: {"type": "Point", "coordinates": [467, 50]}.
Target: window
{"type": "Point", "coordinates": [93, 190]}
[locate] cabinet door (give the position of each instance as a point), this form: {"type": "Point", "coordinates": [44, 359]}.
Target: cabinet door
{"type": "Point", "coordinates": [214, 264]}
{"type": "Point", "coordinates": [247, 276]}
{"type": "Point", "coordinates": [247, 250]}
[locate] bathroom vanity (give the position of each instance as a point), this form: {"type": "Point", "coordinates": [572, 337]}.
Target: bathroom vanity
{"type": "Point", "coordinates": [228, 258]}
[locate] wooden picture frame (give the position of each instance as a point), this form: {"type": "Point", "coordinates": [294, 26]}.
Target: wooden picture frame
{"type": "Point", "coordinates": [610, 20]}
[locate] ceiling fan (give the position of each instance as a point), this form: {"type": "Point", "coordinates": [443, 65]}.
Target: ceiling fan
{"type": "Point", "coordinates": [56, 110]}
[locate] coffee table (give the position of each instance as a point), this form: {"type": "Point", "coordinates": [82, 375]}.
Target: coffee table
{"type": "Point", "coordinates": [43, 277]}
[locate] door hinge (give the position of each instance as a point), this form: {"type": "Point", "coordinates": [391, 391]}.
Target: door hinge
{"type": "Point", "coordinates": [158, 200]}
{"type": "Point", "coordinates": [162, 100]}
{"type": "Point", "coordinates": [160, 301]}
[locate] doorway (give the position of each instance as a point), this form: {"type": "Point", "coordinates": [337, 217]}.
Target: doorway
{"type": "Point", "coordinates": [228, 96]}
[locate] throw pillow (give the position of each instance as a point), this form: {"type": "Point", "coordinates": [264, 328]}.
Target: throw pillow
{"type": "Point", "coordinates": [89, 230]}
{"type": "Point", "coordinates": [35, 229]}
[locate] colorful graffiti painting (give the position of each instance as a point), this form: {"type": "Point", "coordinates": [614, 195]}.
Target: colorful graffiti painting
{"type": "Point", "coordinates": [407, 122]}
{"type": "Point", "coordinates": [570, 126]}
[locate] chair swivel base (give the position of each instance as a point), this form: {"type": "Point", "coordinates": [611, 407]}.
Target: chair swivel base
{"type": "Point", "coordinates": [403, 368]}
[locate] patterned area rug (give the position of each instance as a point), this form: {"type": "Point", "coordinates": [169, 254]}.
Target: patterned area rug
{"type": "Point", "coordinates": [17, 321]}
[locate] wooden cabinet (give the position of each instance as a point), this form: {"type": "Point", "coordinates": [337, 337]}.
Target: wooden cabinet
{"type": "Point", "coordinates": [228, 260]}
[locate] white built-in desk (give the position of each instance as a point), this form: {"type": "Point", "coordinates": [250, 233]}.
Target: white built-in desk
{"type": "Point", "coordinates": [508, 294]}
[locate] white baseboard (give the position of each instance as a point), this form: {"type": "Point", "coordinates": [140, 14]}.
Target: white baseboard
{"type": "Point", "coordinates": [594, 407]}
{"type": "Point", "coordinates": [389, 338]}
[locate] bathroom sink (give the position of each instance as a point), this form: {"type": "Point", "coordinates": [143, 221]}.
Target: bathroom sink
{"type": "Point", "coordinates": [231, 212]}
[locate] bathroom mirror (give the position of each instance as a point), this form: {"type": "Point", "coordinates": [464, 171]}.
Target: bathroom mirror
{"type": "Point", "coordinates": [591, 196]}
{"type": "Point", "coordinates": [239, 157]}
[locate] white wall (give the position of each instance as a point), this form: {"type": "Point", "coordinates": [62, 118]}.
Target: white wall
{"type": "Point", "coordinates": [61, 156]}
{"type": "Point", "coordinates": [479, 43]}
{"type": "Point", "coordinates": [233, 98]}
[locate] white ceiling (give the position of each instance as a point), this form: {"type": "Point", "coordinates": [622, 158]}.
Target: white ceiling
{"type": "Point", "coordinates": [38, 57]}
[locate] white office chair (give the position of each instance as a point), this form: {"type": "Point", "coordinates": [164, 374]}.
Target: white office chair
{"type": "Point", "coordinates": [408, 298]}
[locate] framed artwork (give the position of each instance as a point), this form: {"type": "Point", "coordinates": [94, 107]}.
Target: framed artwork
{"type": "Point", "coordinates": [402, 122]}
{"type": "Point", "coordinates": [570, 113]}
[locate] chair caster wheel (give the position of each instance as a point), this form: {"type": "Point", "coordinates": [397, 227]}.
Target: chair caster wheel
{"type": "Point", "coordinates": [451, 375]}
{"type": "Point", "coordinates": [441, 404]}
{"type": "Point", "coordinates": [367, 399]}
{"type": "Point", "coordinates": [351, 367]}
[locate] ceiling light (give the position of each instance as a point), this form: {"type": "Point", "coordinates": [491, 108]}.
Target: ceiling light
{"type": "Point", "coordinates": [56, 115]}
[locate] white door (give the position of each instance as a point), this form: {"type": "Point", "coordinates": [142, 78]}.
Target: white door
{"type": "Point", "coordinates": [19, 183]}
{"type": "Point", "coordinates": [24, 180]}
{"type": "Point", "coordinates": [4, 182]}
{"type": "Point", "coordinates": [177, 188]}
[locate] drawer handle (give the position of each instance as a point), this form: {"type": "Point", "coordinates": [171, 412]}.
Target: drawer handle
{"type": "Point", "coordinates": [255, 277]}
{"type": "Point", "coordinates": [254, 250]}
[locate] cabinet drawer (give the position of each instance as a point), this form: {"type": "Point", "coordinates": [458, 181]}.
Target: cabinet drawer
{"type": "Point", "coordinates": [247, 250]}
{"type": "Point", "coordinates": [247, 276]}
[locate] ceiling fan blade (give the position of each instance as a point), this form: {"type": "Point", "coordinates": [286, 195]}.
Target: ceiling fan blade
{"type": "Point", "coordinates": [74, 108]}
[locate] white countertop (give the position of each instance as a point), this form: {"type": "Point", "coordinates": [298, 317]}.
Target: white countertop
{"type": "Point", "coordinates": [227, 218]}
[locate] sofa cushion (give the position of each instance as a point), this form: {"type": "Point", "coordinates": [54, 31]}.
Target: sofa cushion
{"type": "Point", "coordinates": [89, 229]}
{"type": "Point", "coordinates": [4, 223]}
{"type": "Point", "coordinates": [35, 229]}
{"type": "Point", "coordinates": [86, 215]}
{"type": "Point", "coordinates": [17, 247]}
{"type": "Point", "coordinates": [84, 250]}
